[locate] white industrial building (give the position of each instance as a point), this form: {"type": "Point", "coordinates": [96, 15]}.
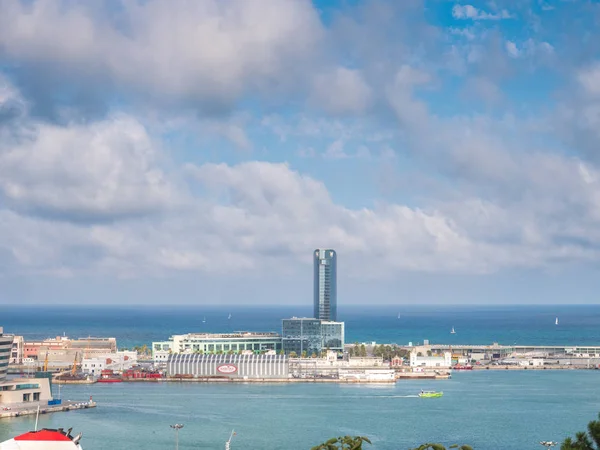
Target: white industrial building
{"type": "Point", "coordinates": [437, 362]}
{"type": "Point", "coordinates": [118, 361]}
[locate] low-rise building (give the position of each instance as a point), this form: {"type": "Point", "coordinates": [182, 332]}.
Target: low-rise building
{"type": "Point", "coordinates": [228, 366]}
{"type": "Point", "coordinates": [213, 343]}
{"type": "Point", "coordinates": [84, 347]}
{"type": "Point", "coordinates": [24, 390]}
{"type": "Point", "coordinates": [438, 362]}
{"type": "Point", "coordinates": [380, 375]}
{"type": "Point", "coordinates": [117, 362]}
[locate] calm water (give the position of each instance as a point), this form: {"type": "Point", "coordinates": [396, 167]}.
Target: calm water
{"type": "Point", "coordinates": [488, 409]}
{"type": "Point", "coordinates": [474, 325]}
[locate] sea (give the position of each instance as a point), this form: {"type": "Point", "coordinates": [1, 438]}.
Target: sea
{"type": "Point", "coordinates": [493, 409]}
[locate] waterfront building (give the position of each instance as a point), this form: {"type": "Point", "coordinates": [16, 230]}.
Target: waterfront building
{"type": "Point", "coordinates": [16, 354]}
{"type": "Point", "coordinates": [118, 362]}
{"type": "Point", "coordinates": [19, 390]}
{"type": "Point", "coordinates": [25, 390]}
{"type": "Point", "coordinates": [228, 366]}
{"type": "Point", "coordinates": [84, 347]}
{"type": "Point", "coordinates": [207, 343]}
{"type": "Point", "coordinates": [301, 334]}
{"type": "Point", "coordinates": [325, 284]}
{"type": "Point", "coordinates": [5, 350]}
{"type": "Point", "coordinates": [441, 362]}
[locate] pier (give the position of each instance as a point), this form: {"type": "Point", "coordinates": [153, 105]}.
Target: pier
{"type": "Point", "coordinates": [28, 409]}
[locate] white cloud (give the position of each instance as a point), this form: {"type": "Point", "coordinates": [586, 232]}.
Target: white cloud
{"type": "Point", "coordinates": [512, 49]}
{"type": "Point", "coordinates": [589, 78]}
{"type": "Point", "coordinates": [470, 12]}
{"type": "Point", "coordinates": [97, 171]}
{"type": "Point", "coordinates": [218, 52]}
{"type": "Point", "coordinates": [341, 91]}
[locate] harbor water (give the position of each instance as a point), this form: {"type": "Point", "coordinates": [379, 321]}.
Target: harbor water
{"type": "Point", "coordinates": [511, 410]}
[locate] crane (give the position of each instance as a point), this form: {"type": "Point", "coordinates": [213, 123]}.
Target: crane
{"type": "Point", "coordinates": [74, 369]}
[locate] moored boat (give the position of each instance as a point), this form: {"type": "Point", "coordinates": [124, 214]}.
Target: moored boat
{"type": "Point", "coordinates": [44, 439]}
{"type": "Point", "coordinates": [430, 394]}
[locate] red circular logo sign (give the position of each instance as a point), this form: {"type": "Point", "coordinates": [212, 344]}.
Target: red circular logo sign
{"type": "Point", "coordinates": [227, 368]}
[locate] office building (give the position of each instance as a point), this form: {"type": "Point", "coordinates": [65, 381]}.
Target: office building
{"type": "Point", "coordinates": [6, 343]}
{"type": "Point", "coordinates": [217, 343]}
{"type": "Point", "coordinates": [325, 284]}
{"type": "Point", "coordinates": [301, 334]}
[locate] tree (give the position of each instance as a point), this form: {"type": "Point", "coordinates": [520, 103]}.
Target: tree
{"type": "Point", "coordinates": [304, 354]}
{"type": "Point", "coordinates": [293, 355]}
{"type": "Point", "coordinates": [363, 350]}
{"type": "Point", "coordinates": [441, 447]}
{"type": "Point", "coordinates": [346, 442]}
{"type": "Point", "coordinates": [589, 440]}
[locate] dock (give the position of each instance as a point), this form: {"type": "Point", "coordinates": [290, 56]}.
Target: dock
{"type": "Point", "coordinates": [28, 409]}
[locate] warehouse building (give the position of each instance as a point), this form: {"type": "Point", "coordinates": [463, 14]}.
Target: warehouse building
{"type": "Point", "coordinates": [230, 366]}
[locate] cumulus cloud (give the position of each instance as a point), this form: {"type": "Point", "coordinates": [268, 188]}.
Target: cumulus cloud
{"type": "Point", "coordinates": [100, 171]}
{"type": "Point", "coordinates": [219, 52]}
{"type": "Point", "coordinates": [470, 12]}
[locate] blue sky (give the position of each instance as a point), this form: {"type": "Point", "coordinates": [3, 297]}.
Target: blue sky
{"type": "Point", "coordinates": [197, 151]}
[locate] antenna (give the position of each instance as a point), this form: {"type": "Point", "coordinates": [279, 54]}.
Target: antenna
{"type": "Point", "coordinates": [37, 416]}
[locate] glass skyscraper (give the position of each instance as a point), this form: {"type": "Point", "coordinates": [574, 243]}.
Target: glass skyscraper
{"type": "Point", "coordinates": [325, 284]}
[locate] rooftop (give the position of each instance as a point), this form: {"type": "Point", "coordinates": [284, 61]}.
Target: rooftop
{"type": "Point", "coordinates": [233, 335]}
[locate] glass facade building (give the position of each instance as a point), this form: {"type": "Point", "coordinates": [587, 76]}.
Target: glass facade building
{"type": "Point", "coordinates": [301, 335]}
{"type": "Point", "coordinates": [325, 284]}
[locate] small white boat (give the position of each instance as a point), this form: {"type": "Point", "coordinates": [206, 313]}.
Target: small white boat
{"type": "Point", "coordinates": [556, 321]}
{"type": "Point", "coordinates": [204, 319]}
{"type": "Point", "coordinates": [453, 332]}
{"type": "Point", "coordinates": [44, 439]}
{"type": "Point", "coordinates": [398, 315]}
{"type": "Point", "coordinates": [229, 316]}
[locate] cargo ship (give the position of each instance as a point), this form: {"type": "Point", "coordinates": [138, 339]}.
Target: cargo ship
{"type": "Point", "coordinates": [44, 439]}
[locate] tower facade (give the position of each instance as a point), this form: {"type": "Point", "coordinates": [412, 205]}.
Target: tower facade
{"type": "Point", "coordinates": [5, 349]}
{"type": "Point", "coordinates": [325, 284]}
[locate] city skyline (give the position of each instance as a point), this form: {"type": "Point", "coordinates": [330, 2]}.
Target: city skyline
{"type": "Point", "coordinates": [447, 149]}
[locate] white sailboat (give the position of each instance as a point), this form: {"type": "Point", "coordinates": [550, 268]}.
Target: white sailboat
{"type": "Point", "coordinates": [556, 321]}
{"type": "Point", "coordinates": [204, 319]}
{"type": "Point", "coordinates": [453, 332]}
{"type": "Point", "coordinates": [398, 315]}
{"type": "Point", "coordinates": [229, 316]}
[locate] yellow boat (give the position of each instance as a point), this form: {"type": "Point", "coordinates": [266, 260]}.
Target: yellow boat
{"type": "Point", "coordinates": [430, 394]}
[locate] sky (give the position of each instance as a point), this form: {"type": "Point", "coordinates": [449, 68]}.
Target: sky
{"type": "Point", "coordinates": [196, 152]}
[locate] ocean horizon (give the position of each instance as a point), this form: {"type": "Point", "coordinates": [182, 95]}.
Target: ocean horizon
{"type": "Point", "coordinates": [474, 324]}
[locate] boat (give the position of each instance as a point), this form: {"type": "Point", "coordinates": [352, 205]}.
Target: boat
{"type": "Point", "coordinates": [430, 394]}
{"type": "Point", "coordinates": [204, 319]}
{"type": "Point", "coordinates": [44, 439]}
{"type": "Point", "coordinates": [453, 332]}
{"type": "Point", "coordinates": [398, 315]}
{"type": "Point", "coordinates": [229, 316]}
{"type": "Point", "coordinates": [556, 321]}
{"type": "Point", "coordinates": [461, 367]}
{"type": "Point", "coordinates": [108, 376]}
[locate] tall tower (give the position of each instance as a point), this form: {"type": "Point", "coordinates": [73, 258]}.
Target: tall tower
{"type": "Point", "coordinates": [325, 284]}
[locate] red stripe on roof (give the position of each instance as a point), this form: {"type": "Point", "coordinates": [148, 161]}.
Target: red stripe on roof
{"type": "Point", "coordinates": [42, 435]}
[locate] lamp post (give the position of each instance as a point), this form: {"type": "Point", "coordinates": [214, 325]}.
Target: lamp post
{"type": "Point", "coordinates": [177, 427]}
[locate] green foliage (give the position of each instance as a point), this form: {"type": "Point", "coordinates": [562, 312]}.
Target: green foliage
{"type": "Point", "coordinates": [589, 440]}
{"type": "Point", "coordinates": [346, 443]}
{"type": "Point", "coordinates": [389, 352]}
